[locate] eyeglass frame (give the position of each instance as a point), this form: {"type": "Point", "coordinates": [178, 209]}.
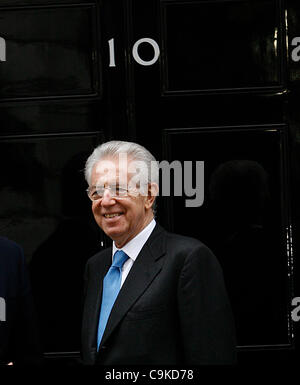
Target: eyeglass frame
{"type": "Point", "coordinates": [112, 189]}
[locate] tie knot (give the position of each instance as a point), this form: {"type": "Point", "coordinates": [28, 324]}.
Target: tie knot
{"type": "Point", "coordinates": [119, 258]}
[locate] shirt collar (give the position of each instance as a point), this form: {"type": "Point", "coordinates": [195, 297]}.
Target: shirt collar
{"type": "Point", "coordinates": [134, 246]}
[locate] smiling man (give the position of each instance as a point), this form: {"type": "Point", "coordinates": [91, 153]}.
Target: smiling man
{"type": "Point", "coordinates": [153, 297]}
{"type": "Point", "coordinates": [121, 219]}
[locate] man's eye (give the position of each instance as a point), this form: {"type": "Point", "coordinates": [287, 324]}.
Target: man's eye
{"type": "Point", "coordinates": [97, 193]}
{"type": "Point", "coordinates": [121, 191]}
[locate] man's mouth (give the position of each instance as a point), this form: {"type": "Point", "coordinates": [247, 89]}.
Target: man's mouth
{"type": "Point", "coordinates": [112, 215]}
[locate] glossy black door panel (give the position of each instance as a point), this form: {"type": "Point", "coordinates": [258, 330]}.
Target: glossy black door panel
{"type": "Point", "coordinates": [44, 117]}
{"type": "Point", "coordinates": [220, 45]}
{"type": "Point", "coordinates": [56, 48]}
{"type": "Point", "coordinates": [244, 220]}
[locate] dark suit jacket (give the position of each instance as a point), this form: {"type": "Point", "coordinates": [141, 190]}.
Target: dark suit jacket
{"type": "Point", "coordinates": [19, 340]}
{"type": "Point", "coordinates": [172, 308]}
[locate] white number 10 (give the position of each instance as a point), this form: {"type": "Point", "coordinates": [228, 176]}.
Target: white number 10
{"type": "Point", "coordinates": [135, 54]}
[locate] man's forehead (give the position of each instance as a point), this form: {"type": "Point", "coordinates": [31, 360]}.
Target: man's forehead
{"type": "Point", "coordinates": [112, 168]}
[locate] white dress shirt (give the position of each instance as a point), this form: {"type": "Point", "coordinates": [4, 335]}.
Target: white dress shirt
{"type": "Point", "coordinates": [133, 247]}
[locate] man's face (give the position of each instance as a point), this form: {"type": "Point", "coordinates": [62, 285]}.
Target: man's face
{"type": "Point", "coordinates": [122, 217]}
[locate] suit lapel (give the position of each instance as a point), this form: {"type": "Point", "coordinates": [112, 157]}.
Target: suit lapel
{"type": "Point", "coordinates": [147, 265]}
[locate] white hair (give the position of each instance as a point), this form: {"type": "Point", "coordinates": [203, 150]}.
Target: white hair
{"type": "Point", "coordinates": [133, 150]}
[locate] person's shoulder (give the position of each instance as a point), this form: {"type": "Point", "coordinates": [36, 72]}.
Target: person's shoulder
{"type": "Point", "coordinates": [9, 247]}
{"type": "Point", "coordinates": [181, 244]}
{"type": "Point", "coordinates": [11, 254]}
{"type": "Point", "coordinates": [183, 241]}
{"type": "Point", "coordinates": [191, 252]}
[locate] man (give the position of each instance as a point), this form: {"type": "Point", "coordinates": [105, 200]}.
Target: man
{"type": "Point", "coordinates": [153, 297]}
{"type": "Point", "coordinates": [19, 340]}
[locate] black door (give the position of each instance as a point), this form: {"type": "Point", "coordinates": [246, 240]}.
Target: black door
{"type": "Point", "coordinates": [210, 81]}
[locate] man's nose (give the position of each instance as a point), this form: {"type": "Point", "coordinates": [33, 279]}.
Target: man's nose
{"type": "Point", "coordinates": [107, 199]}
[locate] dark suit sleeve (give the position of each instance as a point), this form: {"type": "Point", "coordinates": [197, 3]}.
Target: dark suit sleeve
{"type": "Point", "coordinates": [84, 351]}
{"type": "Point", "coordinates": [207, 326]}
{"type": "Point", "coordinates": [27, 341]}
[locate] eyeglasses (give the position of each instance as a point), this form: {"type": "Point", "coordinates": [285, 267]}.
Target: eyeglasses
{"type": "Point", "coordinates": [97, 192]}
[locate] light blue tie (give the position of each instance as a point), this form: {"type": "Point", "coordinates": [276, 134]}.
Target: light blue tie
{"type": "Point", "coordinates": [111, 288]}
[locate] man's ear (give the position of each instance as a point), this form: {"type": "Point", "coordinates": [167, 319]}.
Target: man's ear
{"type": "Point", "coordinates": [152, 194]}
